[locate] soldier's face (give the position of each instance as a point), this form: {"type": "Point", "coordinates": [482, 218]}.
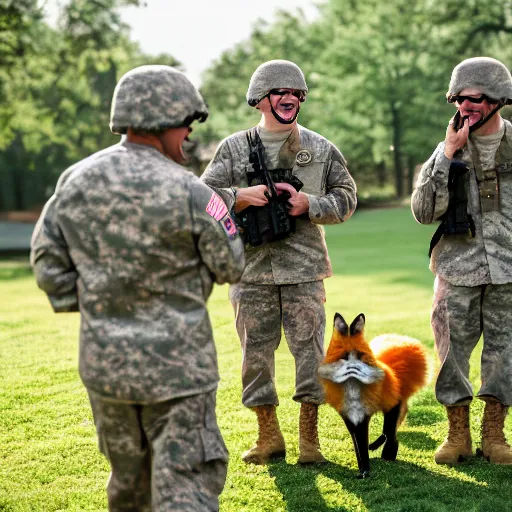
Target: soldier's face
{"type": "Point", "coordinates": [284, 101]}
{"type": "Point", "coordinates": [172, 143]}
{"type": "Point", "coordinates": [475, 111]}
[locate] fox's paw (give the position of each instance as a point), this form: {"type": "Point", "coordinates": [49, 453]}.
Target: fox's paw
{"type": "Point", "coordinates": [390, 450]}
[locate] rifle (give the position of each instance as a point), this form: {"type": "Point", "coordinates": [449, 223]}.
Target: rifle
{"type": "Point", "coordinates": [263, 224]}
{"type": "Point", "coordinates": [456, 220]}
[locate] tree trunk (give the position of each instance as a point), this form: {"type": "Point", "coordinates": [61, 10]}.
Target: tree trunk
{"type": "Point", "coordinates": [381, 174]}
{"type": "Point", "coordinates": [397, 152]}
{"type": "Point", "coordinates": [410, 175]}
{"type": "Point", "coordinates": [18, 172]}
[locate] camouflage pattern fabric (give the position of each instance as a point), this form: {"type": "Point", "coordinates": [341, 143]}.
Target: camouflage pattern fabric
{"type": "Point", "coordinates": [460, 315]}
{"type": "Point", "coordinates": [136, 241]}
{"type": "Point", "coordinates": [165, 457]}
{"type": "Point", "coordinates": [153, 98]}
{"type": "Point", "coordinates": [302, 256]}
{"type": "Point", "coordinates": [260, 310]}
{"type": "Point", "coordinates": [460, 259]}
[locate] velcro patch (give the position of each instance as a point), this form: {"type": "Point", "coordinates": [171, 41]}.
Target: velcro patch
{"type": "Point", "coordinates": [216, 207]}
{"type": "Point", "coordinates": [229, 227]}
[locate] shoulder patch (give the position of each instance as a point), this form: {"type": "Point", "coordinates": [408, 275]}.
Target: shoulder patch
{"type": "Point", "coordinates": [229, 226]}
{"type": "Point", "coordinates": [216, 207]}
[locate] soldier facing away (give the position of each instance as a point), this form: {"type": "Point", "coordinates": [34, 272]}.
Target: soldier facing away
{"type": "Point", "coordinates": [134, 241]}
{"type": "Point", "coordinates": [472, 255]}
{"type": "Point", "coordinates": [285, 250]}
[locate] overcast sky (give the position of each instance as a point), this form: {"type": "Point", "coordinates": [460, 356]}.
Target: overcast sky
{"type": "Point", "coordinates": [196, 32]}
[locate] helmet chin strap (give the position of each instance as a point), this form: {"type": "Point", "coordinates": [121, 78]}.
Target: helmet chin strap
{"type": "Point", "coordinates": [484, 120]}
{"type": "Point", "coordinates": [278, 117]}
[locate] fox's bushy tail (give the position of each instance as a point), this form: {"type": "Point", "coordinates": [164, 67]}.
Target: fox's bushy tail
{"type": "Point", "coordinates": [406, 357]}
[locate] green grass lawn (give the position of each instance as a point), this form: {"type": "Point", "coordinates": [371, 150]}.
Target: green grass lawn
{"type": "Point", "coordinates": [49, 459]}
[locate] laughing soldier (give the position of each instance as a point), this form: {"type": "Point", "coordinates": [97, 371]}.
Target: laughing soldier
{"type": "Point", "coordinates": [286, 256]}
{"type": "Point", "coordinates": [467, 184]}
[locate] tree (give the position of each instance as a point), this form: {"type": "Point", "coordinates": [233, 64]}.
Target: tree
{"type": "Point", "coordinates": [377, 71]}
{"type": "Point", "coordinates": [63, 90]}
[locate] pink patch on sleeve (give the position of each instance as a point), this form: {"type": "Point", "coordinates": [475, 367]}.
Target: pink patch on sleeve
{"type": "Point", "coordinates": [230, 226]}
{"type": "Point", "coordinates": [216, 207]}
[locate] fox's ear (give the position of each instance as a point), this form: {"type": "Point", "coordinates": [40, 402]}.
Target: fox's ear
{"type": "Point", "coordinates": [340, 325]}
{"type": "Point", "coordinates": [357, 325]}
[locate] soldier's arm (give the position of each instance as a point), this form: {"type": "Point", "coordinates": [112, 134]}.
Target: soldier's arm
{"type": "Point", "coordinates": [218, 242]}
{"type": "Point", "coordinates": [430, 198]}
{"type": "Point", "coordinates": [218, 175]}
{"type": "Point", "coordinates": [53, 268]}
{"type": "Point", "coordinates": [339, 202]}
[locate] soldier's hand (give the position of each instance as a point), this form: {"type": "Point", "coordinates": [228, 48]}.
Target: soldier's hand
{"type": "Point", "coordinates": [455, 140]}
{"type": "Point", "coordinates": [298, 201]}
{"type": "Point", "coordinates": [251, 196]}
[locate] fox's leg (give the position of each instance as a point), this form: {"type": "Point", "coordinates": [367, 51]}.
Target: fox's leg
{"type": "Point", "coordinates": [390, 449]}
{"type": "Point", "coordinates": [359, 434]}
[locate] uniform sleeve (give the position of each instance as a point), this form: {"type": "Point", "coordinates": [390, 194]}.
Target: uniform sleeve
{"type": "Point", "coordinates": [339, 202]}
{"type": "Point", "coordinates": [54, 271]}
{"type": "Point", "coordinates": [218, 242]}
{"type": "Point", "coordinates": [430, 198]}
{"type": "Point", "coordinates": [218, 175]}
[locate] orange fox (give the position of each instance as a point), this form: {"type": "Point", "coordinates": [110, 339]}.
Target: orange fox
{"type": "Point", "coordinates": [361, 378]}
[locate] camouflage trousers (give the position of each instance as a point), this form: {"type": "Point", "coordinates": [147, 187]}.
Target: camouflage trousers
{"type": "Point", "coordinates": [460, 315]}
{"type": "Point", "coordinates": [164, 457]}
{"type": "Point", "coordinates": [261, 313]}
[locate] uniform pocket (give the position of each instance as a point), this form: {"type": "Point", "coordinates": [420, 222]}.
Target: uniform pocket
{"type": "Point", "coordinates": [213, 445]}
{"type": "Point", "coordinates": [190, 448]}
{"type": "Point", "coordinates": [312, 176]}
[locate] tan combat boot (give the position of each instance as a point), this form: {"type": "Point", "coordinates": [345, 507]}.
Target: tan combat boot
{"type": "Point", "coordinates": [457, 446]}
{"type": "Point", "coordinates": [309, 446]}
{"type": "Point", "coordinates": [494, 446]}
{"type": "Point", "coordinates": [270, 443]}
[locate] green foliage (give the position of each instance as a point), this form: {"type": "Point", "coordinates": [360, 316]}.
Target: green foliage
{"type": "Point", "coordinates": [49, 454]}
{"type": "Point", "coordinates": [377, 72]}
{"type": "Point", "coordinates": [60, 92]}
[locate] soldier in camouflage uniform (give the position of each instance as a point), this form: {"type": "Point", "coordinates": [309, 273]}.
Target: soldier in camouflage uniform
{"type": "Point", "coordinates": [473, 288]}
{"type": "Point", "coordinates": [134, 241]}
{"type": "Point", "coordinates": [282, 284]}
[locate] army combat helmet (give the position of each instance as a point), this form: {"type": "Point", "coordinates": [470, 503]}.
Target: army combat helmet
{"type": "Point", "coordinates": [276, 74]}
{"type": "Point", "coordinates": [485, 74]}
{"type": "Point", "coordinates": [155, 98]}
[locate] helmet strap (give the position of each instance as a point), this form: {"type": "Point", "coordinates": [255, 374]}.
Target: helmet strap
{"type": "Point", "coordinates": [484, 120]}
{"type": "Point", "coordinates": [278, 117]}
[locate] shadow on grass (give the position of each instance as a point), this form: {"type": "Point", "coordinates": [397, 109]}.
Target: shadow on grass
{"type": "Point", "coordinates": [393, 487]}
{"type": "Point", "coordinates": [417, 441]}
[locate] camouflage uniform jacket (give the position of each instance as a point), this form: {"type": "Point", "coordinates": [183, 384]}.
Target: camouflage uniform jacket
{"type": "Point", "coordinates": [459, 259]}
{"type": "Point", "coordinates": [302, 256]}
{"type": "Point", "coordinates": [127, 239]}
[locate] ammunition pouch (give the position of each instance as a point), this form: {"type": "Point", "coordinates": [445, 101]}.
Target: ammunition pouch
{"type": "Point", "coordinates": [263, 224]}
{"type": "Point", "coordinates": [456, 220]}
{"type": "Point", "coordinates": [487, 180]}
{"type": "Point", "coordinates": [489, 190]}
